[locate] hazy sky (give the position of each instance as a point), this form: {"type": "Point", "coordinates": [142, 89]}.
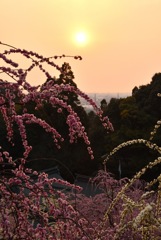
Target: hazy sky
{"type": "Point", "coordinates": [123, 47]}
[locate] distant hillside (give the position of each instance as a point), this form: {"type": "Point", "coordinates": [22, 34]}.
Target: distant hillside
{"type": "Point", "coordinates": [134, 117]}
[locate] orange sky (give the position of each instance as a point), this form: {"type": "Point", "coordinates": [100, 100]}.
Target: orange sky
{"type": "Point", "coordinates": [124, 38]}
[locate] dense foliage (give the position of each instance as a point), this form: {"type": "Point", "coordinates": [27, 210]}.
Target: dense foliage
{"type": "Point", "coordinates": [30, 206]}
{"type": "Point", "coordinates": [134, 117]}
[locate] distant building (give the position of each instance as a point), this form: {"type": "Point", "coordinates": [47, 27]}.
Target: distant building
{"type": "Point", "coordinates": [97, 97]}
{"type": "Point", "coordinates": [81, 180]}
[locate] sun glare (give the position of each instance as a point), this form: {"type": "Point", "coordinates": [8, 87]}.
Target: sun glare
{"type": "Point", "coordinates": [81, 38]}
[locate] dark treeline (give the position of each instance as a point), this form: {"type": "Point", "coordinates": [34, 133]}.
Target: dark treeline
{"type": "Point", "coordinates": [132, 117]}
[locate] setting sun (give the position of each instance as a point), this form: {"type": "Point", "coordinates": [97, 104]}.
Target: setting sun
{"type": "Point", "coordinates": [81, 38]}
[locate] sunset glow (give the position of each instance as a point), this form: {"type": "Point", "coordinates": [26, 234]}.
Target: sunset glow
{"type": "Point", "coordinates": [119, 41]}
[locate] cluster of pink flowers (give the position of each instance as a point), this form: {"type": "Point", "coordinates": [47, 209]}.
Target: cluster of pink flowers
{"type": "Point", "coordinates": [30, 207]}
{"type": "Point", "coordinates": [49, 92]}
